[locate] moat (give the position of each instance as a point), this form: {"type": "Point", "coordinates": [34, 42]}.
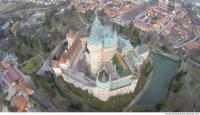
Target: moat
{"type": "Point", "coordinates": [163, 71]}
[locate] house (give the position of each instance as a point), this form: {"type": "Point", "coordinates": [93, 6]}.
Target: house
{"type": "Point", "coordinates": [11, 76]}
{"type": "Point", "coordinates": [21, 103]}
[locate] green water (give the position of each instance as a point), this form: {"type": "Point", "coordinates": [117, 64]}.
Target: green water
{"type": "Point", "coordinates": [163, 71]}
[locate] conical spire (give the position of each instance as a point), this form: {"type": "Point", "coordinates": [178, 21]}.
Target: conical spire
{"type": "Point", "coordinates": [97, 23]}
{"type": "Point", "coordinates": [94, 38]}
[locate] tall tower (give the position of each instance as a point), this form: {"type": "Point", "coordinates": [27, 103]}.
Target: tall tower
{"type": "Point", "coordinates": [95, 46]}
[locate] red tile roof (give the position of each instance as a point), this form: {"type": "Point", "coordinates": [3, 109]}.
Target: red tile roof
{"type": "Point", "coordinates": [70, 34]}
{"type": "Point", "coordinates": [65, 56]}
{"type": "Point", "coordinates": [5, 63]}
{"type": "Point", "coordinates": [8, 77]}
{"type": "Point", "coordinates": [21, 103]}
{"type": "Point", "coordinates": [14, 75]}
{"type": "Point", "coordinates": [194, 45]}
{"type": "Point", "coordinates": [28, 90]}
{"type": "Point", "coordinates": [11, 75]}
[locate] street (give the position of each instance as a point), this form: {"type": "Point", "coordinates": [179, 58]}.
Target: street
{"type": "Point", "coordinates": [43, 101]}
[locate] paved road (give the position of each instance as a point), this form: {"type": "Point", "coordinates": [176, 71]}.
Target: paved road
{"type": "Point", "coordinates": [188, 42]}
{"type": "Point", "coordinates": [47, 63]}
{"type": "Point", "coordinates": [27, 10]}
{"type": "Point", "coordinates": [43, 101]}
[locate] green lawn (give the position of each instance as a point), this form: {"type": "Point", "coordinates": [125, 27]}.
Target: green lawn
{"type": "Point", "coordinates": [32, 65]}
{"type": "Point", "coordinates": [120, 70]}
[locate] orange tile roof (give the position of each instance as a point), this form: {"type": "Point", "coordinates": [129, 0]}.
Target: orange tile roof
{"type": "Point", "coordinates": [56, 64]}
{"type": "Point", "coordinates": [194, 45]}
{"type": "Point", "coordinates": [28, 90]}
{"type": "Point", "coordinates": [65, 56]}
{"type": "Point", "coordinates": [21, 103]}
{"type": "Point", "coordinates": [70, 34]}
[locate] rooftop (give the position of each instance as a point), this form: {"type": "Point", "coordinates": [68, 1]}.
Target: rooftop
{"type": "Point", "coordinates": [21, 103]}
{"type": "Point", "coordinates": [141, 49]}
{"type": "Point", "coordinates": [102, 34]}
{"type": "Point", "coordinates": [103, 76]}
{"type": "Point", "coordinates": [65, 56]}
{"type": "Point", "coordinates": [5, 63]}
{"type": "Point", "coordinates": [70, 34]}
{"type": "Point", "coordinates": [125, 44]}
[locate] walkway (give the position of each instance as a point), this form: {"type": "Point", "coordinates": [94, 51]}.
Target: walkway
{"type": "Point", "coordinates": [47, 63]}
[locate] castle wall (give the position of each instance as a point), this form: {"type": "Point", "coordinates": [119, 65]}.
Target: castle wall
{"type": "Point", "coordinates": [102, 94]}
{"type": "Point", "coordinates": [78, 84]}
{"type": "Point", "coordinates": [124, 90]}
{"type": "Point", "coordinates": [145, 55]}
{"type": "Point", "coordinates": [57, 71]}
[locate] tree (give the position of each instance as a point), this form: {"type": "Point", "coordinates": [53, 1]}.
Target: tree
{"type": "Point", "coordinates": [3, 101]}
{"type": "Point", "coordinates": [47, 21]}
{"type": "Point", "coordinates": [15, 27]}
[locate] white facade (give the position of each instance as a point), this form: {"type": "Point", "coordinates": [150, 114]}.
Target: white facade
{"type": "Point", "coordinates": [94, 58]}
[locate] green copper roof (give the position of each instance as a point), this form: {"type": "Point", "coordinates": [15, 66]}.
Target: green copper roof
{"type": "Point", "coordinates": [103, 76]}
{"type": "Point", "coordinates": [125, 44]}
{"type": "Point", "coordinates": [102, 35]}
{"type": "Point", "coordinates": [97, 23]}
{"type": "Point", "coordinates": [110, 38]}
{"type": "Point", "coordinates": [103, 80]}
{"type": "Point", "coordinates": [135, 58]}
{"type": "Point", "coordinates": [94, 38]}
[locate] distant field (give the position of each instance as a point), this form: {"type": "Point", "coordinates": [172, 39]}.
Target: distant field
{"type": "Point", "coordinates": [7, 7]}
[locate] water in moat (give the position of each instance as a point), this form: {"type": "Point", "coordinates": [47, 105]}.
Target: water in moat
{"type": "Point", "coordinates": [163, 71]}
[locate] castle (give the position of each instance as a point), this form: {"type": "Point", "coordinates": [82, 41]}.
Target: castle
{"type": "Point", "coordinates": [114, 64]}
{"type": "Point", "coordinates": [102, 44]}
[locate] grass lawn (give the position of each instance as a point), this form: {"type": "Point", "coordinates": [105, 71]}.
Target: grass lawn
{"type": "Point", "coordinates": [120, 70]}
{"type": "Point", "coordinates": [32, 65]}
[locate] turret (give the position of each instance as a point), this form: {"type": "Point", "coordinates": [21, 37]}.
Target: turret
{"type": "Point", "coordinates": [70, 38]}
{"type": "Point", "coordinates": [103, 85]}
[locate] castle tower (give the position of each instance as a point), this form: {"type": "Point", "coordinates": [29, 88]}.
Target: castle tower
{"type": "Point", "coordinates": [110, 45]}
{"type": "Point", "coordinates": [94, 45]}
{"type": "Point", "coordinates": [103, 85]}
{"type": "Point", "coordinates": [70, 38]}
